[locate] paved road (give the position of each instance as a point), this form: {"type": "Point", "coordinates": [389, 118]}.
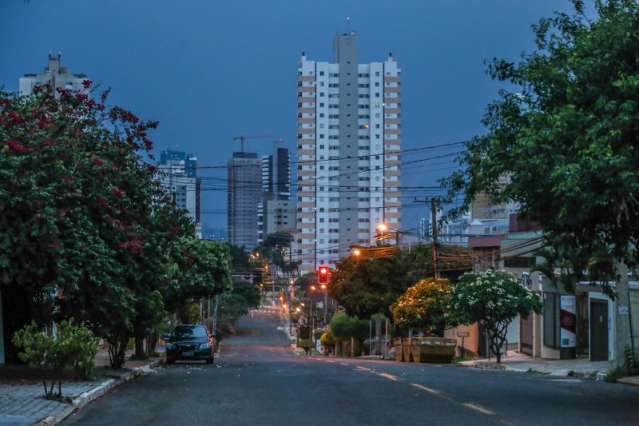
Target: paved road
{"type": "Point", "coordinates": [258, 381]}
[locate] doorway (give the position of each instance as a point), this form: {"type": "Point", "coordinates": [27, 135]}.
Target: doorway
{"type": "Point", "coordinates": [598, 330]}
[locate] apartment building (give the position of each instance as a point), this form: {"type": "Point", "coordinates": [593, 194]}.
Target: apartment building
{"type": "Point", "coordinates": [348, 143]}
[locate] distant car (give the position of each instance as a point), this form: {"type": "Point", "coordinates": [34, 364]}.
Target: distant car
{"type": "Point", "coordinates": [189, 342]}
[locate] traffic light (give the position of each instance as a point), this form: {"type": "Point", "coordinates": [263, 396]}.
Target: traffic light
{"type": "Point", "coordinates": [323, 275]}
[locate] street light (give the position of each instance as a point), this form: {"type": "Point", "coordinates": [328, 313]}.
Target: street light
{"type": "Point", "coordinates": [357, 252]}
{"type": "Point", "coordinates": [382, 227]}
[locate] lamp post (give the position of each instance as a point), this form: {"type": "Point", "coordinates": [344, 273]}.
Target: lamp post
{"type": "Point", "coordinates": [323, 286]}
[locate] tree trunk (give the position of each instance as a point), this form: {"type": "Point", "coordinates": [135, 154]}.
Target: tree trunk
{"type": "Point", "coordinates": [151, 344]}
{"type": "Point", "coordinates": [139, 348]}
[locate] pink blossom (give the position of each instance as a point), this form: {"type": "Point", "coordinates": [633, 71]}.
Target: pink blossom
{"type": "Point", "coordinates": [16, 146]}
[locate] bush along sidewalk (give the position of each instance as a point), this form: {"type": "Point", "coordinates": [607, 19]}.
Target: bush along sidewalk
{"type": "Point", "coordinates": [70, 347]}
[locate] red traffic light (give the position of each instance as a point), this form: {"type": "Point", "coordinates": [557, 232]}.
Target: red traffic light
{"type": "Point", "coordinates": [322, 275]}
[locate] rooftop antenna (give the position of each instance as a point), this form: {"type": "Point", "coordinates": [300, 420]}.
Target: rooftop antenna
{"type": "Point", "coordinates": [348, 25]}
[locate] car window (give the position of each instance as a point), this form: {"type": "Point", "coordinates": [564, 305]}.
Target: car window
{"type": "Point", "coordinates": [188, 332]}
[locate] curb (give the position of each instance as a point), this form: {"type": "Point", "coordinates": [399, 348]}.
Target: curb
{"type": "Point", "coordinates": [591, 375]}
{"type": "Point", "coordinates": [84, 399]}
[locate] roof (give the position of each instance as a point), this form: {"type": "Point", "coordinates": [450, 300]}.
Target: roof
{"type": "Point", "coordinates": [485, 242]}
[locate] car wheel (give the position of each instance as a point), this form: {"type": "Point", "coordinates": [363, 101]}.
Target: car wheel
{"type": "Point", "coordinates": [209, 360]}
{"type": "Point", "coordinates": [170, 361]}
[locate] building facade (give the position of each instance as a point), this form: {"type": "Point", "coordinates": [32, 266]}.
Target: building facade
{"type": "Point", "coordinates": [178, 175]}
{"type": "Point", "coordinates": [244, 196]}
{"type": "Point", "coordinates": [348, 145]}
{"type": "Point", "coordinates": [276, 211]}
{"type": "Point", "coordinates": [54, 75]}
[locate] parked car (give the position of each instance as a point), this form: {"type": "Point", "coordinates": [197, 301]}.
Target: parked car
{"type": "Point", "coordinates": [189, 342]}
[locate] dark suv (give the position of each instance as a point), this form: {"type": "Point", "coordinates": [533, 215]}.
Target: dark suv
{"type": "Point", "coordinates": [189, 342]}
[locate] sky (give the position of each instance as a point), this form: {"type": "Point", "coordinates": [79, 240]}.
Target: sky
{"type": "Point", "coordinates": [211, 70]}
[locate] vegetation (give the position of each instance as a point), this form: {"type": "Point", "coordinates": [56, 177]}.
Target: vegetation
{"type": "Point", "coordinates": [344, 328]}
{"type": "Point", "coordinates": [368, 286]}
{"type": "Point", "coordinates": [234, 304]}
{"type": "Point", "coordinates": [425, 306]}
{"type": "Point", "coordinates": [70, 347]}
{"type": "Point", "coordinates": [87, 231]}
{"type": "Point", "coordinates": [492, 299]}
{"type": "Point", "coordinates": [565, 135]}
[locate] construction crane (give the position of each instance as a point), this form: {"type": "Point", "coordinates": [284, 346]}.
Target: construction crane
{"type": "Point", "coordinates": [243, 139]}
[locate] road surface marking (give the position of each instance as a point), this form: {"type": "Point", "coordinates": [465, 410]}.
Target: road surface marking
{"type": "Point", "coordinates": [343, 364]}
{"type": "Point", "coordinates": [478, 408]}
{"type": "Point", "coordinates": [424, 388]}
{"type": "Point", "coordinates": [360, 368]}
{"type": "Point", "coordinates": [388, 376]}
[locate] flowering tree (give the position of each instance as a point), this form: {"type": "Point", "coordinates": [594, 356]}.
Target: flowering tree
{"type": "Point", "coordinates": [424, 306]}
{"type": "Point", "coordinates": [492, 299]}
{"type": "Point", "coordinates": [86, 231]}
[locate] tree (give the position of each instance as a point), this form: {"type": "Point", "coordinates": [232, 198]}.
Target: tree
{"type": "Point", "coordinates": [370, 285]}
{"type": "Point", "coordinates": [563, 142]}
{"type": "Point", "coordinates": [86, 230]}
{"type": "Point", "coordinates": [492, 299]}
{"type": "Point", "coordinates": [424, 306]}
{"type": "Point", "coordinates": [344, 327]}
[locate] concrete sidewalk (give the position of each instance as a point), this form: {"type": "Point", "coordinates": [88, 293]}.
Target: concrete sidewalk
{"type": "Point", "coordinates": [515, 361]}
{"type": "Point", "coordinates": [22, 402]}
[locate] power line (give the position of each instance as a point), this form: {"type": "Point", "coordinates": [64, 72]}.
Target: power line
{"type": "Point", "coordinates": [315, 161]}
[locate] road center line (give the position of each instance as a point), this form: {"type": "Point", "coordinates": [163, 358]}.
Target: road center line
{"type": "Point", "coordinates": [424, 388]}
{"type": "Point", "coordinates": [478, 408]}
{"type": "Point", "coordinates": [388, 376]}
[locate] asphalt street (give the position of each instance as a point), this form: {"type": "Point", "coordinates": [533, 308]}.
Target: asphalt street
{"type": "Point", "coordinates": [259, 381]}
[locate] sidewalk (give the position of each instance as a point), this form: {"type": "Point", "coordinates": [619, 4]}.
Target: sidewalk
{"type": "Point", "coordinates": [22, 401]}
{"type": "Point", "coordinates": [515, 361]}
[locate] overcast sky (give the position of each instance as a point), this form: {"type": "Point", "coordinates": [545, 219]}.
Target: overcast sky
{"type": "Point", "coordinates": [211, 70]}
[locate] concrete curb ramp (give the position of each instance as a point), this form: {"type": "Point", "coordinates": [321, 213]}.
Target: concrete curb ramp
{"type": "Point", "coordinates": [81, 401]}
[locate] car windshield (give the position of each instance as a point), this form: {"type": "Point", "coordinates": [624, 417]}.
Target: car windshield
{"type": "Point", "coordinates": [188, 332]}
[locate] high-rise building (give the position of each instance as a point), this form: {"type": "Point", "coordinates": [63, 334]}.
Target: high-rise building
{"type": "Point", "coordinates": [54, 75]}
{"type": "Point", "coordinates": [348, 146]}
{"type": "Point", "coordinates": [276, 211]}
{"type": "Point", "coordinates": [178, 174]}
{"type": "Point", "coordinates": [276, 174]}
{"type": "Point", "coordinates": [244, 195]}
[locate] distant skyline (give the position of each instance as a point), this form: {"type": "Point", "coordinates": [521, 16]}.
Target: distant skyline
{"type": "Point", "coordinates": [209, 71]}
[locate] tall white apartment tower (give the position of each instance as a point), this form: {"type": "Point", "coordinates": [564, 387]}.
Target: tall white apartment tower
{"type": "Point", "coordinates": [348, 144]}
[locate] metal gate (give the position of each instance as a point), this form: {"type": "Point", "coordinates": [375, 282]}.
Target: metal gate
{"type": "Point", "coordinates": [526, 334]}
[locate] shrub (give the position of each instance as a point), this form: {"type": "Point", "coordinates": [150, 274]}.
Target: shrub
{"type": "Point", "coordinates": [72, 347]}
{"type": "Point", "coordinates": [327, 339]}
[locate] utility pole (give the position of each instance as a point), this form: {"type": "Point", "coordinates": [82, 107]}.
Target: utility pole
{"type": "Point", "coordinates": [433, 215]}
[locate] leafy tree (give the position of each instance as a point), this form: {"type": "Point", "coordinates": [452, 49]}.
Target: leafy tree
{"type": "Point", "coordinates": [368, 286]}
{"type": "Point", "coordinates": [563, 142]}
{"type": "Point", "coordinates": [86, 231]}
{"type": "Point", "coordinates": [344, 327]}
{"type": "Point", "coordinates": [492, 299]}
{"type": "Point", "coordinates": [249, 292]}
{"type": "Point", "coordinates": [424, 306]}
{"type": "Point", "coordinates": [274, 247]}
